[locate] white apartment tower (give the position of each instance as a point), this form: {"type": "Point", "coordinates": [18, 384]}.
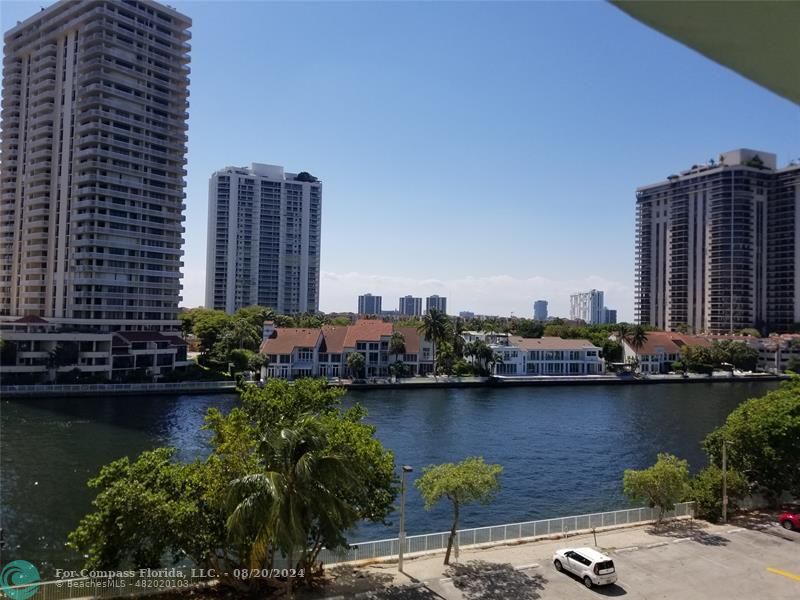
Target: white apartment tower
{"type": "Point", "coordinates": [587, 307]}
{"type": "Point", "coordinates": [94, 121]}
{"type": "Point", "coordinates": [264, 229]}
{"type": "Point", "coordinates": [718, 246]}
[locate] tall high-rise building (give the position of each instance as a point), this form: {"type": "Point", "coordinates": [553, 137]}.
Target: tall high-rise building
{"type": "Point", "coordinates": [94, 127]}
{"type": "Point", "coordinates": [587, 307]}
{"type": "Point", "coordinates": [718, 246]}
{"type": "Point", "coordinates": [264, 229]}
{"type": "Point", "coordinates": [540, 310]}
{"type": "Point", "coordinates": [369, 304]}
{"type": "Point", "coordinates": [437, 302]}
{"type": "Point", "coordinates": [410, 306]}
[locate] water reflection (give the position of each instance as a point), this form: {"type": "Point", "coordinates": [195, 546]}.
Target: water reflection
{"type": "Point", "coordinates": [563, 449]}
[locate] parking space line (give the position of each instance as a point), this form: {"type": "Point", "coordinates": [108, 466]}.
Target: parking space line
{"type": "Point", "coordinates": [657, 544]}
{"type": "Point", "coordinates": [628, 549]}
{"type": "Point", "coordinates": [679, 540]}
{"type": "Point", "coordinates": [784, 573]}
{"type": "Point", "coordinates": [737, 530]}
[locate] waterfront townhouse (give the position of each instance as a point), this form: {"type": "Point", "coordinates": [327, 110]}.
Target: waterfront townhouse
{"type": "Point", "coordinates": [660, 350]}
{"type": "Point", "coordinates": [540, 356]}
{"type": "Point", "coordinates": [292, 352]}
{"type": "Point", "coordinates": [323, 352]}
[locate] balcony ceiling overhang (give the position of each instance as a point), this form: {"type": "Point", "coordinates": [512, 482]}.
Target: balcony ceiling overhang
{"type": "Point", "coordinates": [758, 39]}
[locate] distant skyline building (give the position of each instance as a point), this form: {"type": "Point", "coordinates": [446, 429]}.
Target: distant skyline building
{"type": "Point", "coordinates": [264, 228]}
{"type": "Point", "coordinates": [540, 310]}
{"type": "Point", "coordinates": [609, 316]}
{"type": "Point", "coordinates": [466, 314]}
{"type": "Point", "coordinates": [410, 306]}
{"type": "Point", "coordinates": [587, 307]}
{"type": "Point", "coordinates": [369, 304]}
{"type": "Point", "coordinates": [437, 302]}
{"type": "Point", "coordinates": [718, 246]}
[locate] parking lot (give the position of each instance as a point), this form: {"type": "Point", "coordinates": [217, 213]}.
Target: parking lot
{"type": "Point", "coordinates": [685, 560]}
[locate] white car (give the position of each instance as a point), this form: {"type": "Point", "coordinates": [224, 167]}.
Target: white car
{"type": "Point", "coordinates": [593, 567]}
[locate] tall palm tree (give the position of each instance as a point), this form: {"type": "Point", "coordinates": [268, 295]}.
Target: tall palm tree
{"type": "Point", "coordinates": [458, 341]}
{"type": "Point", "coordinates": [434, 328]}
{"type": "Point", "coordinates": [623, 331]}
{"type": "Point", "coordinates": [295, 502]}
{"type": "Point", "coordinates": [638, 337]}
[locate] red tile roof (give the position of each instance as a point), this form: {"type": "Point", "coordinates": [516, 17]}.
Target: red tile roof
{"type": "Point", "coordinates": [334, 337]}
{"type": "Point", "coordinates": [412, 337]}
{"type": "Point", "coordinates": [669, 342]}
{"type": "Point", "coordinates": [366, 330]}
{"type": "Point", "coordinates": [286, 339]}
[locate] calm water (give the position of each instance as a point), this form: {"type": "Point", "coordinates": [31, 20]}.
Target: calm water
{"type": "Point", "coordinates": [563, 449]}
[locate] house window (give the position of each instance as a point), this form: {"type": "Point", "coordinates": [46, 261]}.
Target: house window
{"type": "Point", "coordinates": [323, 358]}
{"type": "Point", "coordinates": [373, 357]}
{"type": "Point", "coordinates": [305, 354]}
{"type": "Point", "coordinates": [373, 346]}
{"type": "Point", "coordinates": [410, 357]}
{"type": "Point", "coordinates": [361, 345]}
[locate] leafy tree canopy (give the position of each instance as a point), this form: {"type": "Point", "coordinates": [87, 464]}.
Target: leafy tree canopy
{"type": "Point", "coordinates": [471, 480]}
{"type": "Point", "coordinates": [762, 436]}
{"type": "Point", "coordinates": [661, 485]}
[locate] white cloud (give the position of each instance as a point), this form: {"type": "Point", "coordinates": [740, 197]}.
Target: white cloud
{"type": "Point", "coordinates": [495, 294]}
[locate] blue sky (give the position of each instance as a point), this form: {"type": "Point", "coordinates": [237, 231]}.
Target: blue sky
{"type": "Point", "coordinates": [484, 151]}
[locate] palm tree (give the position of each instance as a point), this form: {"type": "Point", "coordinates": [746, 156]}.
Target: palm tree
{"type": "Point", "coordinates": [458, 341]}
{"type": "Point", "coordinates": [397, 344]}
{"type": "Point", "coordinates": [495, 359]}
{"type": "Point", "coordinates": [434, 328]}
{"type": "Point", "coordinates": [638, 338]}
{"type": "Point", "coordinates": [294, 503]}
{"type": "Point", "coordinates": [355, 362]}
{"type": "Point", "coordinates": [623, 331]}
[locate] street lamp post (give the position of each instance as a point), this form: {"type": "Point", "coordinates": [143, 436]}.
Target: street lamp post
{"type": "Point", "coordinates": [725, 481]}
{"type": "Point", "coordinates": [402, 538]}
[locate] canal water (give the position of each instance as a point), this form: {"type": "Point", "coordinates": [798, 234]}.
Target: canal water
{"type": "Point", "coordinates": [563, 449]}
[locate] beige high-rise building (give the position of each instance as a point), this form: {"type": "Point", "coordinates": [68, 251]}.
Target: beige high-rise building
{"type": "Point", "coordinates": [94, 121]}
{"type": "Point", "coordinates": [718, 246]}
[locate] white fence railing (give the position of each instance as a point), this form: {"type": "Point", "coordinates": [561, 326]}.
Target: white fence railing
{"type": "Point", "coordinates": [73, 589]}
{"type": "Point", "coordinates": [76, 388]}
{"type": "Point", "coordinates": [499, 533]}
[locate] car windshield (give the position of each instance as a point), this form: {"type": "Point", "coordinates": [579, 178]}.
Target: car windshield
{"type": "Point", "coordinates": [606, 566]}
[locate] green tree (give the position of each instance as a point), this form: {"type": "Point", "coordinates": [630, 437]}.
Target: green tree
{"type": "Point", "coordinates": [527, 328]}
{"type": "Point", "coordinates": [293, 498]}
{"type": "Point", "coordinates": [397, 345]}
{"type": "Point", "coordinates": [660, 486]}
{"type": "Point", "coordinates": [698, 359]}
{"type": "Point", "coordinates": [255, 315]}
{"type": "Point", "coordinates": [705, 489]}
{"type": "Point", "coordinates": [209, 326]}
{"type": "Point", "coordinates": [434, 328]}
{"type": "Point", "coordinates": [471, 480]}
{"type": "Point", "coordinates": [240, 359]}
{"type": "Point", "coordinates": [154, 507]}
{"type": "Point", "coordinates": [762, 436]}
{"type": "Point", "coordinates": [147, 509]}
{"type": "Point", "coordinates": [793, 365]}
{"type": "Point", "coordinates": [256, 362]}
{"type": "Point", "coordinates": [355, 363]}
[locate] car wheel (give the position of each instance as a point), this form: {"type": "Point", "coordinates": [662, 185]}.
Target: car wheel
{"type": "Point", "coordinates": [557, 565]}
{"type": "Point", "coordinates": [787, 524]}
{"type": "Point", "coordinates": [587, 581]}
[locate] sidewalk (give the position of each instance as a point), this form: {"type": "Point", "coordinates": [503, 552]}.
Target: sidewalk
{"type": "Point", "coordinates": [349, 581]}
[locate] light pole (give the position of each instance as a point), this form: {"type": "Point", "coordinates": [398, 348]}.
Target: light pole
{"type": "Point", "coordinates": [725, 481]}
{"type": "Point", "coordinates": [402, 538]}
